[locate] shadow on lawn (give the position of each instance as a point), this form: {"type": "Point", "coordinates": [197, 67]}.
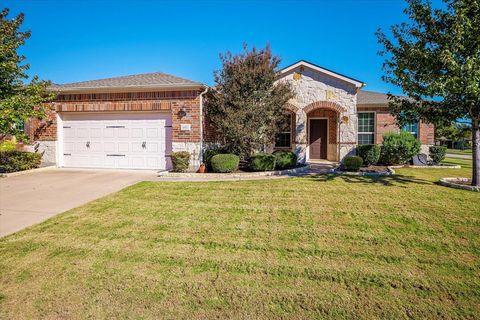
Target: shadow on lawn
{"type": "Point", "coordinates": [394, 180]}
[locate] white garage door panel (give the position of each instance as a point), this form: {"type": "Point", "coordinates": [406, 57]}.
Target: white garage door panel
{"type": "Point", "coordinates": [130, 141]}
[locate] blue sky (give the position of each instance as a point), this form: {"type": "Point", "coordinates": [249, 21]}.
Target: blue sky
{"type": "Point", "coordinates": [74, 40]}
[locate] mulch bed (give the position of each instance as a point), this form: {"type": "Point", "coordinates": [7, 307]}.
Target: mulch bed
{"type": "Point", "coordinates": [374, 169]}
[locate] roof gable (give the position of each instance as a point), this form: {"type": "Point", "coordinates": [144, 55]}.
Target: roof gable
{"type": "Point", "coordinates": [355, 82]}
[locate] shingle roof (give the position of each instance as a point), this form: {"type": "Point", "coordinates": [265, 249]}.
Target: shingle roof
{"type": "Point", "coordinates": [149, 80]}
{"type": "Point", "coordinates": [371, 97]}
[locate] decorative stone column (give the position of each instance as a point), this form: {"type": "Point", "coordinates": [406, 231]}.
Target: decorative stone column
{"type": "Point", "coordinates": [348, 134]}
{"type": "Point", "coordinates": [301, 136]}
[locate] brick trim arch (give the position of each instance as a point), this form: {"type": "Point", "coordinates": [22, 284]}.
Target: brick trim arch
{"type": "Point", "coordinates": [290, 107]}
{"type": "Point", "coordinates": [324, 105]}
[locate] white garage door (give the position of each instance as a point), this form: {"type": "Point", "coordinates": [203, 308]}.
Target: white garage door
{"type": "Point", "coordinates": [130, 141]}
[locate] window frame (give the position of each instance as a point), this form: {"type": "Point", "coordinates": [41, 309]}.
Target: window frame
{"type": "Point", "coordinates": [416, 133]}
{"type": "Point", "coordinates": [373, 133]}
{"type": "Point", "coordinates": [290, 133]}
{"type": "Point", "coordinates": [21, 124]}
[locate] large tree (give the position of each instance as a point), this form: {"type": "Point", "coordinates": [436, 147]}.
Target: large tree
{"type": "Point", "coordinates": [246, 105]}
{"type": "Point", "coordinates": [435, 59]}
{"type": "Point", "coordinates": [19, 101]}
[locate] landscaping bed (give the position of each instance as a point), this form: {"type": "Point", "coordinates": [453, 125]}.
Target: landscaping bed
{"type": "Point", "coordinates": [372, 170]}
{"type": "Point", "coordinates": [236, 174]}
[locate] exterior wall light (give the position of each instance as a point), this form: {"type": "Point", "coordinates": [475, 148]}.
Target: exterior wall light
{"type": "Point", "coordinates": [182, 113]}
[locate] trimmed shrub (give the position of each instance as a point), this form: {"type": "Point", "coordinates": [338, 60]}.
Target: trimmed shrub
{"type": "Point", "coordinates": [437, 153]}
{"type": "Point", "coordinates": [262, 162]}
{"type": "Point", "coordinates": [224, 163]}
{"type": "Point", "coordinates": [398, 148]}
{"type": "Point", "coordinates": [180, 161]}
{"type": "Point", "coordinates": [207, 157]}
{"type": "Point", "coordinates": [352, 163]}
{"type": "Point", "coordinates": [8, 145]}
{"type": "Point", "coordinates": [285, 160]}
{"type": "Point", "coordinates": [12, 161]}
{"type": "Point", "coordinates": [370, 153]}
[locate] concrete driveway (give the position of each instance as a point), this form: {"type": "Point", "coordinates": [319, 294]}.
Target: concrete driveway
{"type": "Point", "coordinates": [33, 197]}
{"type": "Point", "coordinates": [460, 156]}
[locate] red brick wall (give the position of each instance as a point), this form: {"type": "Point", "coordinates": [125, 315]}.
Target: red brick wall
{"type": "Point", "coordinates": [174, 101]}
{"type": "Point", "coordinates": [210, 134]}
{"type": "Point", "coordinates": [45, 129]}
{"type": "Point", "coordinates": [385, 122]}
{"type": "Point", "coordinates": [427, 133]}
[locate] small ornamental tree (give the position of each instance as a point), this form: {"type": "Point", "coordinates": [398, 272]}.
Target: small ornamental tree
{"type": "Point", "coordinates": [19, 101]}
{"type": "Point", "coordinates": [246, 105]}
{"type": "Point", "coordinates": [435, 60]}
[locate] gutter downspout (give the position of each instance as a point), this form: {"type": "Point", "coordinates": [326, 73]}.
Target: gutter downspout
{"type": "Point", "coordinates": [200, 156]}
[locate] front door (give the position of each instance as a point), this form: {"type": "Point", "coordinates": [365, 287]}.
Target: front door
{"type": "Point", "coordinates": [318, 139]}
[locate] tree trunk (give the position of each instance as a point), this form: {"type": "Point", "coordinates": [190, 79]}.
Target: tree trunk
{"type": "Point", "coordinates": [475, 153]}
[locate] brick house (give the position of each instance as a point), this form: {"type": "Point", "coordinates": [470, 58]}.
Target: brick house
{"type": "Point", "coordinates": [137, 121]}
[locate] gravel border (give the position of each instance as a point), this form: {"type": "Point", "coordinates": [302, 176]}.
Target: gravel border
{"type": "Point", "coordinates": [453, 183]}
{"type": "Point", "coordinates": [235, 174]}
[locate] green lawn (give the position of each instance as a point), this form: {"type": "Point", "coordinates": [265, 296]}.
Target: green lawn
{"type": "Point", "coordinates": [322, 247]}
{"type": "Point", "coordinates": [457, 151]}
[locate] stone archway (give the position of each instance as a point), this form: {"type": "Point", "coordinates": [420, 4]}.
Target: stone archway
{"type": "Point", "coordinates": [324, 105]}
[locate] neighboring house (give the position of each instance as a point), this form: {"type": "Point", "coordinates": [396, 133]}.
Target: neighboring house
{"type": "Point", "coordinates": [137, 121]}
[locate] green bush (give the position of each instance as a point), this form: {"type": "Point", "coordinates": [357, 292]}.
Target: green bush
{"type": "Point", "coordinates": [262, 162]}
{"type": "Point", "coordinates": [11, 161]}
{"type": "Point", "coordinates": [399, 148]}
{"type": "Point", "coordinates": [223, 163]}
{"type": "Point", "coordinates": [437, 153]}
{"type": "Point", "coordinates": [180, 161]}
{"type": "Point", "coordinates": [370, 153]}
{"type": "Point", "coordinates": [285, 159]}
{"type": "Point", "coordinates": [352, 163]}
{"type": "Point", "coordinates": [8, 145]}
{"type": "Point", "coordinates": [207, 157]}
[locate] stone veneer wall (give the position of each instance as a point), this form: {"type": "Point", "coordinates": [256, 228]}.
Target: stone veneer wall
{"type": "Point", "coordinates": [310, 87]}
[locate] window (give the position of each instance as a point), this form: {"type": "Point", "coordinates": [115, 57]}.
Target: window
{"type": "Point", "coordinates": [20, 125]}
{"type": "Point", "coordinates": [412, 128]}
{"type": "Point", "coordinates": [284, 138]}
{"type": "Point", "coordinates": [366, 127]}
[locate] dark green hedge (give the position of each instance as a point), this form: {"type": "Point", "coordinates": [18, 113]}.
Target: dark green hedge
{"type": "Point", "coordinates": [11, 161]}
{"type": "Point", "coordinates": [352, 163]}
{"type": "Point", "coordinates": [285, 160]}
{"type": "Point", "coordinates": [180, 161]}
{"type": "Point", "coordinates": [262, 162]}
{"type": "Point", "coordinates": [224, 163]}
{"type": "Point", "coordinates": [207, 157]}
{"type": "Point", "coordinates": [437, 153]}
{"type": "Point", "coordinates": [399, 148]}
{"type": "Point", "coordinates": [370, 153]}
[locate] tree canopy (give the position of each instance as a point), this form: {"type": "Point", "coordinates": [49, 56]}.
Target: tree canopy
{"type": "Point", "coordinates": [435, 59]}
{"type": "Point", "coordinates": [19, 101]}
{"type": "Point", "coordinates": [246, 105]}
